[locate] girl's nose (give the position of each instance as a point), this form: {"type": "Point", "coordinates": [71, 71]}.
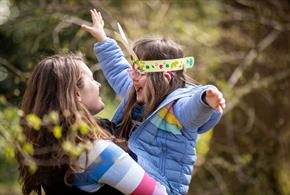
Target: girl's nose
{"type": "Point", "coordinates": [135, 78]}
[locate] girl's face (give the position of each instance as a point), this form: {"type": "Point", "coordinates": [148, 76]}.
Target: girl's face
{"type": "Point", "coordinates": [139, 82]}
{"type": "Point", "coordinates": [89, 93]}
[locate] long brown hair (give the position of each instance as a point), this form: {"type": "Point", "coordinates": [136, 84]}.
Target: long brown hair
{"type": "Point", "coordinates": [156, 89]}
{"type": "Point", "coordinates": [53, 86]}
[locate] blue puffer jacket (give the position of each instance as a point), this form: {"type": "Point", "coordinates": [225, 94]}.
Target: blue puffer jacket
{"type": "Point", "coordinates": [165, 142]}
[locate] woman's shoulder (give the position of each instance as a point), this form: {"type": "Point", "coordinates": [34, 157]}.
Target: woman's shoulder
{"type": "Point", "coordinates": [99, 149]}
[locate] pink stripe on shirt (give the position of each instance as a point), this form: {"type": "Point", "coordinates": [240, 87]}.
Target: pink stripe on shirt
{"type": "Point", "coordinates": [146, 186]}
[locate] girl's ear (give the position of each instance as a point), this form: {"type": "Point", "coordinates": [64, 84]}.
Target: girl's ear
{"type": "Point", "coordinates": [167, 76]}
{"type": "Point", "coordinates": [79, 96]}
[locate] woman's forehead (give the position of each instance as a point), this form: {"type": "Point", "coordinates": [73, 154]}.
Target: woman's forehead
{"type": "Point", "coordinates": [85, 69]}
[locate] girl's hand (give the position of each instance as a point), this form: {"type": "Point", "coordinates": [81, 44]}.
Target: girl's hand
{"type": "Point", "coordinates": [214, 98]}
{"type": "Point", "coordinates": [97, 29]}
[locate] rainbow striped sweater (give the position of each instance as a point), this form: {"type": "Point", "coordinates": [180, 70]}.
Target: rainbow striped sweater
{"type": "Point", "coordinates": [108, 164]}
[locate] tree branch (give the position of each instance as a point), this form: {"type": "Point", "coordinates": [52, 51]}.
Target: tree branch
{"type": "Point", "coordinates": [251, 56]}
{"type": "Point", "coordinates": [218, 178]}
{"type": "Point", "coordinates": [6, 136]}
{"type": "Point", "coordinates": [255, 85]}
{"type": "Point", "coordinates": [11, 68]}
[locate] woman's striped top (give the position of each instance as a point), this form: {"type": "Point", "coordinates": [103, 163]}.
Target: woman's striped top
{"type": "Point", "coordinates": [108, 164]}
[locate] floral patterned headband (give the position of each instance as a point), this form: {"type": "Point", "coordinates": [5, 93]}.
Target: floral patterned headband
{"type": "Point", "coordinates": [163, 65]}
{"type": "Point", "coordinates": [154, 65]}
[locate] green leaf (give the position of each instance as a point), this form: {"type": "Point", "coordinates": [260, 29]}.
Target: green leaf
{"type": "Point", "coordinates": [67, 146]}
{"type": "Point", "coordinates": [27, 147]}
{"type": "Point", "coordinates": [33, 121]}
{"type": "Point", "coordinates": [32, 167]}
{"type": "Point", "coordinates": [84, 128]}
{"type": "Point", "coordinates": [57, 132]}
{"type": "Point", "coordinates": [20, 137]}
{"type": "Point", "coordinates": [54, 118]}
{"type": "Point", "coordinates": [3, 100]}
{"type": "Point", "coordinates": [9, 152]}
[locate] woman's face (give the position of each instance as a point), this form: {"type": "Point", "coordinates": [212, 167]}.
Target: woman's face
{"type": "Point", "coordinates": [89, 92]}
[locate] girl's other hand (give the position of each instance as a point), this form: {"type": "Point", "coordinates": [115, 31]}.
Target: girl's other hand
{"type": "Point", "coordinates": [214, 98]}
{"type": "Point", "coordinates": [97, 29]}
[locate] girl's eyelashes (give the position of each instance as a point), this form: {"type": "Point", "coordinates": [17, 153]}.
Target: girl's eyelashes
{"type": "Point", "coordinates": [135, 73]}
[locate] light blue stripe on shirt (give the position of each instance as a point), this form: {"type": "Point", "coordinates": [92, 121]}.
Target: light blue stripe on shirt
{"type": "Point", "coordinates": [116, 173]}
{"type": "Point", "coordinates": [91, 187]}
{"type": "Point", "coordinates": [97, 169]}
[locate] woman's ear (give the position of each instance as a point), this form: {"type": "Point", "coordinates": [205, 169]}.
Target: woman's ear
{"type": "Point", "coordinates": [79, 96]}
{"type": "Point", "coordinates": [167, 76]}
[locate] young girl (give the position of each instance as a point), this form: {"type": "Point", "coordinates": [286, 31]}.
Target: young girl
{"type": "Point", "coordinates": [161, 114]}
{"type": "Point", "coordinates": [65, 85]}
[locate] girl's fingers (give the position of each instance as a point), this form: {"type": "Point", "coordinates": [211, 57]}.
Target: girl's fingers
{"type": "Point", "coordinates": [217, 97]}
{"type": "Point", "coordinates": [101, 18]}
{"type": "Point", "coordinates": [210, 92]}
{"type": "Point", "coordinates": [86, 28]}
{"type": "Point", "coordinates": [221, 100]}
{"type": "Point", "coordinates": [98, 15]}
{"type": "Point", "coordinates": [222, 103]}
{"type": "Point", "coordinates": [95, 13]}
{"type": "Point", "coordinates": [219, 109]}
{"type": "Point", "coordinates": [223, 106]}
{"type": "Point", "coordinates": [93, 17]}
{"type": "Point", "coordinates": [214, 92]}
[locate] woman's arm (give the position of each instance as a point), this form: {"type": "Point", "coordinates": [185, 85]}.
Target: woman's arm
{"type": "Point", "coordinates": [109, 164]}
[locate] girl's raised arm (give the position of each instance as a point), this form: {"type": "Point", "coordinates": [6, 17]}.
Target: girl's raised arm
{"type": "Point", "coordinates": [111, 58]}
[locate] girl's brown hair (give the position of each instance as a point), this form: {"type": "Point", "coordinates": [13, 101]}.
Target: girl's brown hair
{"type": "Point", "coordinates": [53, 86]}
{"type": "Point", "coordinates": [157, 88]}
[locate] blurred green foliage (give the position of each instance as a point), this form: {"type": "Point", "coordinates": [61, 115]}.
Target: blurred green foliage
{"type": "Point", "coordinates": [241, 46]}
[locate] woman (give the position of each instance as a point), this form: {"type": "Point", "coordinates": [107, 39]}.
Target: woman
{"type": "Point", "coordinates": [63, 84]}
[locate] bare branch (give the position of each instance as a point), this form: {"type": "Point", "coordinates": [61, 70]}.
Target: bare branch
{"type": "Point", "coordinates": [76, 38]}
{"type": "Point", "coordinates": [7, 137]}
{"type": "Point", "coordinates": [251, 56]}
{"type": "Point", "coordinates": [255, 85]}
{"type": "Point", "coordinates": [251, 116]}
{"type": "Point", "coordinates": [218, 178]}
{"type": "Point", "coordinates": [12, 68]}
{"type": "Point", "coordinates": [95, 67]}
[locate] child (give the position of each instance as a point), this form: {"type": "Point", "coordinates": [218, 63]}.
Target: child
{"type": "Point", "coordinates": [161, 114]}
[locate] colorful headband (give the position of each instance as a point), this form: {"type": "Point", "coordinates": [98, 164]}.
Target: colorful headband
{"type": "Point", "coordinates": [156, 65]}
{"type": "Point", "coordinates": [163, 65]}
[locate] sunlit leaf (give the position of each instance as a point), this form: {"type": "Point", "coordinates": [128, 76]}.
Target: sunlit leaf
{"type": "Point", "coordinates": [3, 100]}
{"type": "Point", "coordinates": [28, 147]}
{"type": "Point", "coordinates": [9, 152]}
{"type": "Point", "coordinates": [54, 118]}
{"type": "Point", "coordinates": [32, 167]}
{"type": "Point", "coordinates": [33, 121]}
{"type": "Point", "coordinates": [57, 132]}
{"type": "Point", "coordinates": [84, 128]}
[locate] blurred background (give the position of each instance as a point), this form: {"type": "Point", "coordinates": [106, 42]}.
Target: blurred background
{"type": "Point", "coordinates": [241, 46]}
